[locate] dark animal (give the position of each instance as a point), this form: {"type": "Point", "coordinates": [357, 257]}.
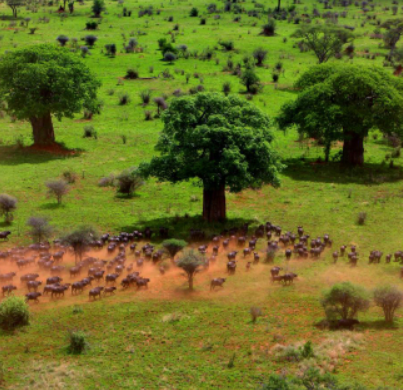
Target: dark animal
{"type": "Point", "coordinates": [8, 277]}
{"type": "Point", "coordinates": [231, 267]}
{"type": "Point", "coordinates": [217, 282]}
{"type": "Point", "coordinates": [33, 296]}
{"type": "Point", "coordinates": [54, 280]}
{"type": "Point", "coordinates": [33, 285]}
{"type": "Point", "coordinates": [4, 235]}
{"type": "Point", "coordinates": [274, 272]}
{"type": "Point", "coordinates": [109, 290]}
{"type": "Point", "coordinates": [347, 323]}
{"type": "Point", "coordinates": [142, 282]}
{"type": "Point", "coordinates": [8, 289]}
{"type": "Point", "coordinates": [95, 292]}
{"type": "Point", "coordinates": [111, 278]}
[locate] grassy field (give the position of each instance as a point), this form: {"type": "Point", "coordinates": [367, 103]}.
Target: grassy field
{"type": "Point", "coordinates": [165, 338]}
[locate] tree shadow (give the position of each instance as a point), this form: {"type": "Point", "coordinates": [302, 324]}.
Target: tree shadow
{"type": "Point", "coordinates": [52, 206]}
{"type": "Point", "coordinates": [378, 325]}
{"type": "Point", "coordinates": [12, 155]}
{"type": "Point", "coordinates": [302, 169]}
{"type": "Point", "coordinates": [180, 226]}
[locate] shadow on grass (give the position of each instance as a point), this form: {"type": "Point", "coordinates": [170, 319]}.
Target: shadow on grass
{"type": "Point", "coordinates": [52, 206]}
{"type": "Point", "coordinates": [180, 226]}
{"type": "Point", "coordinates": [12, 155]}
{"type": "Point", "coordinates": [370, 174]}
{"type": "Point", "coordinates": [378, 325]}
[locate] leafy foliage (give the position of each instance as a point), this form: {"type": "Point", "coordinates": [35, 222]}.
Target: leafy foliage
{"type": "Point", "coordinates": [40, 229]}
{"type": "Point", "coordinates": [173, 246]}
{"type": "Point", "coordinates": [389, 298]}
{"type": "Point", "coordinates": [344, 300]}
{"type": "Point", "coordinates": [57, 188]}
{"type": "Point", "coordinates": [8, 204]}
{"type": "Point", "coordinates": [80, 239]}
{"type": "Point", "coordinates": [191, 262]}
{"type": "Point", "coordinates": [14, 313]}
{"type": "Point", "coordinates": [128, 181]}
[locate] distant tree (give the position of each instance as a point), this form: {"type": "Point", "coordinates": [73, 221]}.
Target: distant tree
{"type": "Point", "coordinates": [129, 181]}
{"type": "Point", "coordinates": [40, 230]}
{"type": "Point", "coordinates": [260, 55]}
{"type": "Point", "coordinates": [191, 262]}
{"type": "Point", "coordinates": [389, 298]}
{"type": "Point", "coordinates": [80, 240]}
{"type": "Point", "coordinates": [62, 39]}
{"type": "Point", "coordinates": [324, 40]}
{"type": "Point", "coordinates": [169, 57]}
{"type": "Point", "coordinates": [161, 104]}
{"type": "Point", "coordinates": [344, 300]}
{"type": "Point", "coordinates": [343, 102]}
{"type": "Point", "coordinates": [42, 80]}
{"type": "Point", "coordinates": [174, 246]}
{"type": "Point", "coordinates": [269, 29]}
{"type": "Point", "coordinates": [250, 80]}
{"type": "Point", "coordinates": [14, 4]}
{"type": "Point", "coordinates": [223, 142]}
{"type": "Point", "coordinates": [226, 88]}
{"type": "Point", "coordinates": [57, 188]}
{"type": "Point", "coordinates": [194, 12]}
{"type": "Point", "coordinates": [8, 205]}
{"type": "Point", "coordinates": [392, 36]}
{"type": "Point", "coordinates": [97, 7]}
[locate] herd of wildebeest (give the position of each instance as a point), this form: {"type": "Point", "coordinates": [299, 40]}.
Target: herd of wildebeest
{"type": "Point", "coordinates": [131, 251]}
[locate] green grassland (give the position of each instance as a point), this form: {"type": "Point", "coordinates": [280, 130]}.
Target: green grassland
{"type": "Point", "coordinates": [134, 344]}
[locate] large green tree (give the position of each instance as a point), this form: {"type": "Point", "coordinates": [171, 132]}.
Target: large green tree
{"type": "Point", "coordinates": [344, 102]}
{"type": "Point", "coordinates": [223, 142]}
{"type": "Point", "coordinates": [324, 40]}
{"type": "Point", "coordinates": [45, 80]}
{"type": "Point", "coordinates": [394, 31]}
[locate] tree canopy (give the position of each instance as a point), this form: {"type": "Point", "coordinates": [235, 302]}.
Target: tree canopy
{"type": "Point", "coordinates": [44, 80]}
{"type": "Point", "coordinates": [14, 4]}
{"type": "Point", "coordinates": [324, 40]}
{"type": "Point", "coordinates": [191, 262]}
{"type": "Point", "coordinates": [344, 102]}
{"type": "Point", "coordinates": [222, 142]}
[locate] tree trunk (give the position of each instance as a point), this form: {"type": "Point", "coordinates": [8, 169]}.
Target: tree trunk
{"type": "Point", "coordinates": [190, 282]}
{"type": "Point", "coordinates": [353, 149]}
{"type": "Point", "coordinates": [279, 5]}
{"type": "Point", "coordinates": [43, 130]}
{"type": "Point", "coordinates": [214, 208]}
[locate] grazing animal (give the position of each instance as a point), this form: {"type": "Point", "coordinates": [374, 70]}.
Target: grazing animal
{"type": "Point", "coordinates": [4, 235]}
{"type": "Point", "coordinates": [8, 277]}
{"type": "Point", "coordinates": [8, 289]}
{"type": "Point", "coordinates": [54, 280]}
{"type": "Point", "coordinates": [33, 285]}
{"type": "Point", "coordinates": [95, 292]}
{"type": "Point", "coordinates": [231, 267]}
{"type": "Point", "coordinates": [274, 272]}
{"type": "Point", "coordinates": [109, 290]}
{"type": "Point", "coordinates": [288, 278]}
{"type": "Point", "coordinates": [217, 282]}
{"type": "Point", "coordinates": [142, 282]}
{"type": "Point", "coordinates": [33, 296]}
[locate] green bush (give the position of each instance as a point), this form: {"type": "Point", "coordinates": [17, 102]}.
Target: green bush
{"type": "Point", "coordinates": [14, 313]}
{"type": "Point", "coordinates": [129, 181]}
{"type": "Point", "coordinates": [78, 342]}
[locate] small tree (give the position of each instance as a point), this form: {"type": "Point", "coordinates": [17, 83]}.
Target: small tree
{"type": "Point", "coordinates": [40, 228]}
{"type": "Point", "coordinates": [80, 240]}
{"type": "Point", "coordinates": [174, 246]}
{"type": "Point", "coordinates": [191, 262]}
{"type": "Point", "coordinates": [269, 29]}
{"type": "Point", "coordinates": [97, 7]}
{"type": "Point", "coordinates": [344, 300]}
{"type": "Point", "coordinates": [169, 57]}
{"type": "Point", "coordinates": [260, 55]}
{"type": "Point", "coordinates": [14, 313]}
{"type": "Point", "coordinates": [194, 12]}
{"type": "Point", "coordinates": [324, 40]}
{"type": "Point", "coordinates": [7, 205]}
{"type": "Point", "coordinates": [62, 39]}
{"type": "Point", "coordinates": [161, 104]}
{"type": "Point", "coordinates": [129, 181]}
{"type": "Point", "coordinates": [250, 80]}
{"type": "Point", "coordinates": [392, 36]}
{"type": "Point", "coordinates": [389, 298]}
{"type": "Point", "coordinates": [57, 188]}
{"type": "Point", "coordinates": [14, 4]}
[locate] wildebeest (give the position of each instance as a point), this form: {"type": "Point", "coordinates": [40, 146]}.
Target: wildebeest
{"type": "Point", "coordinates": [54, 280]}
{"type": "Point", "coordinates": [74, 271]}
{"type": "Point", "coordinates": [109, 290]}
{"type": "Point", "coordinates": [95, 292]}
{"type": "Point", "coordinates": [142, 282]}
{"type": "Point", "coordinates": [8, 289]}
{"type": "Point", "coordinates": [231, 267]}
{"type": "Point", "coordinates": [217, 282]}
{"type": "Point", "coordinates": [28, 277]}
{"type": "Point", "coordinates": [232, 255]}
{"type": "Point", "coordinates": [289, 277]}
{"type": "Point", "coordinates": [274, 272]}
{"type": "Point", "coordinates": [33, 296]}
{"type": "Point", "coordinates": [8, 277]}
{"type": "Point", "coordinates": [111, 278]}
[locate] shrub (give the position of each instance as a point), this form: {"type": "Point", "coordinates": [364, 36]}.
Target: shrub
{"type": "Point", "coordinates": [97, 7]}
{"type": "Point", "coordinates": [132, 74]}
{"type": "Point", "coordinates": [194, 12]}
{"type": "Point", "coordinates": [129, 181]}
{"type": "Point", "coordinates": [110, 49]}
{"type": "Point", "coordinates": [40, 230]}
{"type": "Point", "coordinates": [276, 382]}
{"type": "Point", "coordinates": [169, 57]}
{"type": "Point", "coordinates": [107, 181]}
{"type": "Point", "coordinates": [161, 104]}
{"type": "Point", "coordinates": [226, 88]}
{"type": "Point", "coordinates": [191, 262]}
{"type": "Point", "coordinates": [91, 25]}
{"type": "Point", "coordinates": [90, 132]}
{"type": "Point", "coordinates": [124, 98]}
{"type": "Point", "coordinates": [14, 313]}
{"type": "Point", "coordinates": [361, 218]}
{"type": "Point", "coordinates": [69, 176]}
{"type": "Point", "coordinates": [203, 21]}
{"type": "Point", "coordinates": [389, 298]}
{"type": "Point", "coordinates": [84, 51]}
{"type": "Point", "coordinates": [131, 45]}
{"type": "Point", "coordinates": [8, 204]}
{"type": "Point", "coordinates": [148, 115]}
{"type": "Point", "coordinates": [145, 96]}
{"type": "Point", "coordinates": [90, 40]}
{"type": "Point", "coordinates": [227, 45]}
{"type": "Point", "coordinates": [275, 76]}
{"type": "Point", "coordinates": [395, 153]}
{"type": "Point", "coordinates": [255, 313]}
{"type": "Point", "coordinates": [77, 342]}
{"type": "Point", "coordinates": [260, 55]}
{"type": "Point", "coordinates": [57, 188]}
{"type": "Point", "coordinates": [269, 28]}
{"type": "Point", "coordinates": [248, 79]}
{"type": "Point", "coordinates": [344, 300]}
{"type": "Point", "coordinates": [62, 39]}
